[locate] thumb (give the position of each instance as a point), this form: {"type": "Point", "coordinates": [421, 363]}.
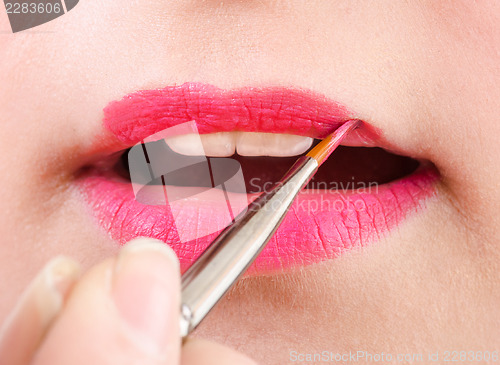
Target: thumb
{"type": "Point", "coordinates": [123, 311]}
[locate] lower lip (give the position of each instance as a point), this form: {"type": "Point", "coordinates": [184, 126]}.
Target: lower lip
{"type": "Point", "coordinates": [318, 227]}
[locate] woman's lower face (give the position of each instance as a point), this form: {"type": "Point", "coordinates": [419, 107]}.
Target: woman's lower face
{"type": "Point", "coordinates": [414, 270]}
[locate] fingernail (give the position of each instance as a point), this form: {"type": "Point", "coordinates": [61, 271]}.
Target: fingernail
{"type": "Point", "coordinates": [145, 289]}
{"type": "Point", "coordinates": [51, 286]}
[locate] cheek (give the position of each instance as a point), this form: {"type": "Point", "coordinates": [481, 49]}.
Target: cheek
{"type": "Point", "coordinates": [463, 59]}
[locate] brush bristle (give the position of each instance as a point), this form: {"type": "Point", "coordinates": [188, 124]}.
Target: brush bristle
{"type": "Point", "coordinates": [325, 148]}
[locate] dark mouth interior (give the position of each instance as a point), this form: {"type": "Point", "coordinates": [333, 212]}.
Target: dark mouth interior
{"type": "Point", "coordinates": [348, 168]}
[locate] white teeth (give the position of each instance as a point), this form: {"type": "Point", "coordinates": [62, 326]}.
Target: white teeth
{"type": "Point", "coordinates": [218, 144]}
{"type": "Point", "coordinates": [186, 144]}
{"type": "Point", "coordinates": [270, 144]}
{"type": "Point", "coordinates": [224, 144]}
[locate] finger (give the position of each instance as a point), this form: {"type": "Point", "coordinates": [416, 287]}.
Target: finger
{"type": "Point", "coordinates": [123, 311]}
{"type": "Point", "coordinates": [36, 310]}
{"type": "Point", "coordinates": [202, 352]}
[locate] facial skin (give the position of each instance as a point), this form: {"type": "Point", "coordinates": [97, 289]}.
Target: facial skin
{"type": "Point", "coordinates": [425, 73]}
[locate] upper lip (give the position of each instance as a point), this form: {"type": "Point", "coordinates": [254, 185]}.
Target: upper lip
{"type": "Point", "coordinates": [273, 110]}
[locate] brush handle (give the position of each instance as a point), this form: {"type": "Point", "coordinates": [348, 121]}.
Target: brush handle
{"type": "Point", "coordinates": [237, 246]}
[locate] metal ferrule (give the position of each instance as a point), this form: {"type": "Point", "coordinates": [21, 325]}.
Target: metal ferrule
{"type": "Point", "coordinates": [228, 257]}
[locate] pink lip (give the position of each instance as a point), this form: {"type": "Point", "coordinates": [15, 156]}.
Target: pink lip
{"type": "Point", "coordinates": [273, 110]}
{"type": "Point", "coordinates": [321, 225]}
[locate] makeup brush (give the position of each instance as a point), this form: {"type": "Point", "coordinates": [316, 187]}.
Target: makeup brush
{"type": "Point", "coordinates": [238, 245]}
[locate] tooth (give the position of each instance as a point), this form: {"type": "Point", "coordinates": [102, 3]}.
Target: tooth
{"type": "Point", "coordinates": [186, 144]}
{"type": "Point", "coordinates": [271, 144]}
{"type": "Point", "coordinates": [223, 144]}
{"type": "Point", "coordinates": [214, 144]}
{"type": "Point", "coordinates": [219, 144]}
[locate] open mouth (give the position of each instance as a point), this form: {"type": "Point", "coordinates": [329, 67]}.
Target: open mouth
{"type": "Point", "coordinates": [360, 193]}
{"type": "Point", "coordinates": [264, 159]}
